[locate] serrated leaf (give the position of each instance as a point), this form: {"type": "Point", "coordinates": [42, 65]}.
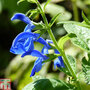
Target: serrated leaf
{"type": "Point", "coordinates": [48, 84]}
{"type": "Point", "coordinates": [20, 1]}
{"type": "Point", "coordinates": [72, 62]}
{"type": "Point", "coordinates": [54, 19]}
{"type": "Point", "coordinates": [64, 39]}
{"type": "Point", "coordinates": [83, 35]}
{"type": "Point", "coordinates": [86, 69]}
{"type": "Point", "coordinates": [85, 18]}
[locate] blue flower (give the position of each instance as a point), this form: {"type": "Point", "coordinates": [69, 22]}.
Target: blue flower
{"type": "Point", "coordinates": [22, 17]}
{"type": "Point", "coordinates": [23, 43]}
{"type": "Point", "coordinates": [59, 61]}
{"type": "Point", "coordinates": [37, 66]}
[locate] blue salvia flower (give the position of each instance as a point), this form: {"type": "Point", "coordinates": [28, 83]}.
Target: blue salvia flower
{"type": "Point", "coordinates": [23, 43]}
{"type": "Point", "coordinates": [59, 61]}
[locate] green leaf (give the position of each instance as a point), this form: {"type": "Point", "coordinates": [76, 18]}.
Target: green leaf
{"type": "Point", "coordinates": [32, 1]}
{"type": "Point", "coordinates": [86, 69]}
{"type": "Point", "coordinates": [73, 22]}
{"type": "Point", "coordinates": [64, 39]}
{"type": "Point", "coordinates": [20, 1]}
{"type": "Point", "coordinates": [72, 62]}
{"type": "Point", "coordinates": [54, 19]}
{"type": "Point", "coordinates": [85, 18]}
{"type": "Point", "coordinates": [48, 1]}
{"type": "Point", "coordinates": [83, 35]}
{"type": "Point", "coordinates": [48, 84]}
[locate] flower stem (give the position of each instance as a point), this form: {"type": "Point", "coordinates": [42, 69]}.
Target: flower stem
{"type": "Point", "coordinates": [56, 45]}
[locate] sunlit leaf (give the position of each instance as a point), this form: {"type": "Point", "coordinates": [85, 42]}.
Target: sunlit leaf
{"type": "Point", "coordinates": [83, 35]}
{"type": "Point", "coordinates": [86, 69]}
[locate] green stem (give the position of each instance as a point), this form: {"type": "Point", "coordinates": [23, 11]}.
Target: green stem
{"type": "Point", "coordinates": [55, 43]}
{"type": "Point", "coordinates": [75, 10]}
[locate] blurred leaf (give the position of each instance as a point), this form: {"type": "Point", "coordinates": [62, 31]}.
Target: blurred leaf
{"type": "Point", "coordinates": [54, 19]}
{"type": "Point", "coordinates": [54, 9]}
{"type": "Point", "coordinates": [64, 39]}
{"type": "Point", "coordinates": [87, 2]}
{"type": "Point", "coordinates": [83, 35]}
{"type": "Point", "coordinates": [18, 66]}
{"type": "Point", "coordinates": [86, 69]}
{"type": "Point", "coordinates": [48, 1]}
{"type": "Point", "coordinates": [72, 62]}
{"type": "Point", "coordinates": [20, 1]}
{"type": "Point", "coordinates": [1, 3]}
{"type": "Point", "coordinates": [56, 1]}
{"type": "Point", "coordinates": [48, 84]}
{"type": "Point", "coordinates": [85, 18]}
{"type": "Point", "coordinates": [12, 7]}
{"type": "Point", "coordinates": [31, 1]}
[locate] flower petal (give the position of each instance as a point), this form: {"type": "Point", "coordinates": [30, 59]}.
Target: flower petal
{"type": "Point", "coordinates": [29, 49]}
{"type": "Point", "coordinates": [23, 35]}
{"type": "Point", "coordinates": [56, 63]}
{"type": "Point", "coordinates": [56, 51]}
{"type": "Point", "coordinates": [45, 50]}
{"type": "Point", "coordinates": [49, 41]}
{"type": "Point", "coordinates": [38, 54]}
{"type": "Point", "coordinates": [61, 60]}
{"type": "Point", "coordinates": [37, 66]}
{"type": "Point", "coordinates": [27, 28]}
{"type": "Point", "coordinates": [42, 41]}
{"type": "Point", "coordinates": [21, 17]}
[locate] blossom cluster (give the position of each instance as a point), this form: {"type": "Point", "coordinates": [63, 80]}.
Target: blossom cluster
{"type": "Point", "coordinates": [24, 44]}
